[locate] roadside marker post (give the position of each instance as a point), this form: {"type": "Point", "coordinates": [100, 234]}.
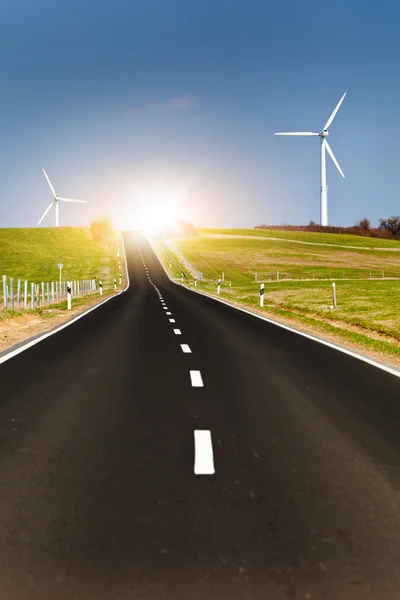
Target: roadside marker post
{"type": "Point", "coordinates": [334, 294]}
{"type": "Point", "coordinates": [262, 294]}
{"type": "Point", "coordinates": [219, 286]}
{"type": "Point", "coordinates": [101, 287]}
{"type": "Point", "coordinates": [120, 279]}
{"type": "Point", "coordinates": [195, 282]}
{"type": "Point", "coordinates": [60, 266]}
{"type": "Point", "coordinates": [69, 295]}
{"type": "Point", "coordinates": [223, 277]}
{"type": "Point", "coordinates": [230, 288]}
{"type": "Point", "coordinates": [115, 284]}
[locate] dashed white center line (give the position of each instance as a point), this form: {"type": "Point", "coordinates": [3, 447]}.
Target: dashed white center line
{"type": "Point", "coordinates": [196, 378]}
{"type": "Point", "coordinates": [165, 307]}
{"type": "Point", "coordinates": [168, 313]}
{"type": "Point", "coordinates": [171, 320]}
{"type": "Point", "coordinates": [177, 332]}
{"type": "Point", "coordinates": [186, 348]}
{"type": "Point", "coordinates": [203, 453]}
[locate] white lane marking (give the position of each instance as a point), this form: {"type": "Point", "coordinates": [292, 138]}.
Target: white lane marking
{"type": "Point", "coordinates": [165, 307]}
{"type": "Point", "coordinates": [186, 349]}
{"type": "Point", "coordinates": [365, 359]}
{"type": "Point", "coordinates": [196, 378]}
{"type": "Point", "coordinates": [177, 332]}
{"type": "Point", "coordinates": [203, 453]}
{"type": "Point", "coordinates": [168, 313]}
{"type": "Point", "coordinates": [171, 320]}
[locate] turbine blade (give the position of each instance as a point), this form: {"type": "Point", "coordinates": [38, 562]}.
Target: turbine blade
{"type": "Point", "coordinates": [297, 133]}
{"type": "Point", "coordinates": [47, 210]}
{"type": "Point", "coordinates": [70, 200]}
{"type": "Point", "coordinates": [49, 182]}
{"type": "Point", "coordinates": [333, 158]}
{"type": "Point", "coordinates": [329, 121]}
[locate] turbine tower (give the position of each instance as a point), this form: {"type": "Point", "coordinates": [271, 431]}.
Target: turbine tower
{"type": "Point", "coordinates": [324, 146]}
{"type": "Point", "coordinates": [55, 201]}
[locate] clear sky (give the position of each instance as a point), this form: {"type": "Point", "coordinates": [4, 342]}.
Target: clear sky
{"type": "Point", "coordinates": [121, 100]}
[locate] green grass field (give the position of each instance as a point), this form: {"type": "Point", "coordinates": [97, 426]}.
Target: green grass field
{"type": "Point", "coordinates": [33, 254]}
{"type": "Point", "coordinates": [368, 310]}
{"type": "Point", "coordinates": [313, 238]}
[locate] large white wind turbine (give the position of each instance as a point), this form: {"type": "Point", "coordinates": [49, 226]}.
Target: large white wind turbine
{"type": "Point", "coordinates": [55, 201]}
{"type": "Point", "coordinates": [324, 146]}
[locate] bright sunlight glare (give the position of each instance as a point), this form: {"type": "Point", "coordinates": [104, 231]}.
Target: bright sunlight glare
{"type": "Point", "coordinates": [156, 211]}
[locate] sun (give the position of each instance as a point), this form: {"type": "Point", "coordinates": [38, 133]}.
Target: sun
{"type": "Point", "coordinates": [156, 211]}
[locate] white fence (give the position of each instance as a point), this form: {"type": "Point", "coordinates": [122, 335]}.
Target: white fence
{"type": "Point", "coordinates": [17, 293]}
{"type": "Point", "coordinates": [183, 260]}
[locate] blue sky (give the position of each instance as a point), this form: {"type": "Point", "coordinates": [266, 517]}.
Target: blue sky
{"type": "Point", "coordinates": [117, 99]}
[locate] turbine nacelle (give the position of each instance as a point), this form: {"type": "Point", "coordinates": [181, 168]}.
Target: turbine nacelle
{"type": "Point", "coordinates": [324, 133]}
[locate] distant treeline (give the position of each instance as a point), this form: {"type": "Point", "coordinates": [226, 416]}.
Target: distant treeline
{"type": "Point", "coordinates": [388, 228]}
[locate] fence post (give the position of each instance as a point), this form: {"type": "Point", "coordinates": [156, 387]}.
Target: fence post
{"type": "Point", "coordinates": [48, 292]}
{"type": "Point", "coordinates": [42, 292]}
{"type": "Point", "coordinates": [18, 293]}
{"type": "Point", "coordinates": [52, 291]}
{"type": "Point", "coordinates": [25, 293]}
{"type": "Point", "coordinates": [11, 292]}
{"type": "Point", "coordinates": [277, 275]}
{"type": "Point", "coordinates": [69, 295]}
{"type": "Point", "coordinates": [334, 294]}
{"type": "Point", "coordinates": [5, 291]}
{"type": "Point", "coordinates": [219, 286]}
{"type": "Point", "coordinates": [223, 276]}
{"type": "Point", "coordinates": [38, 295]}
{"type": "Point", "coordinates": [262, 294]}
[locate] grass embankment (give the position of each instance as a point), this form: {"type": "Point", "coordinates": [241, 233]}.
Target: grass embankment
{"type": "Point", "coordinates": [367, 316]}
{"type": "Point", "coordinates": [33, 254]}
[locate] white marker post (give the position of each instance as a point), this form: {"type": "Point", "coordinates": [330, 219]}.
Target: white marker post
{"type": "Point", "coordinates": [69, 295]}
{"type": "Point", "coordinates": [334, 294]}
{"type": "Point", "coordinates": [115, 284]}
{"type": "Point", "coordinates": [195, 282]}
{"type": "Point", "coordinates": [60, 266]}
{"type": "Point", "coordinates": [219, 286]}
{"type": "Point", "coordinates": [223, 277]}
{"type": "Point", "coordinates": [101, 287]}
{"type": "Point", "coordinates": [262, 294]}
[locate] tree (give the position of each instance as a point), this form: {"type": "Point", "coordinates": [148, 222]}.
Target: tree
{"type": "Point", "coordinates": [364, 224]}
{"type": "Point", "coordinates": [101, 228]}
{"type": "Point", "coordinates": [391, 224]}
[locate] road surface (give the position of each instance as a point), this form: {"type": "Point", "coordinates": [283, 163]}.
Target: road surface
{"type": "Point", "coordinates": [98, 495]}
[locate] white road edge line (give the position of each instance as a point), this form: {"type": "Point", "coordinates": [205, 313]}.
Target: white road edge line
{"type": "Point", "coordinates": [196, 378]}
{"type": "Point", "coordinates": [177, 332]}
{"type": "Point", "coordinates": [186, 349]}
{"type": "Point", "coordinates": [365, 359]}
{"type": "Point", "coordinates": [203, 453]}
{"type": "Point", "coordinates": [13, 353]}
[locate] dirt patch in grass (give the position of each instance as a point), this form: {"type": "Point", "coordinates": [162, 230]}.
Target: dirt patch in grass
{"type": "Point", "coordinates": [18, 328]}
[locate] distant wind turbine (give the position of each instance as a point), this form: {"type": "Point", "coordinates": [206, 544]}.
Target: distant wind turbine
{"type": "Point", "coordinates": [324, 146]}
{"type": "Point", "coordinates": [55, 201]}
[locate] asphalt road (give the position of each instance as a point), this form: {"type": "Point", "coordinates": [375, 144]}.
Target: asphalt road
{"type": "Point", "coordinates": [98, 495]}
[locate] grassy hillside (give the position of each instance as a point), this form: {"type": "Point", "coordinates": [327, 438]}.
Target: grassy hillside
{"type": "Point", "coordinates": [307, 237]}
{"type": "Point", "coordinates": [33, 254]}
{"type": "Point", "coordinates": [368, 310]}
